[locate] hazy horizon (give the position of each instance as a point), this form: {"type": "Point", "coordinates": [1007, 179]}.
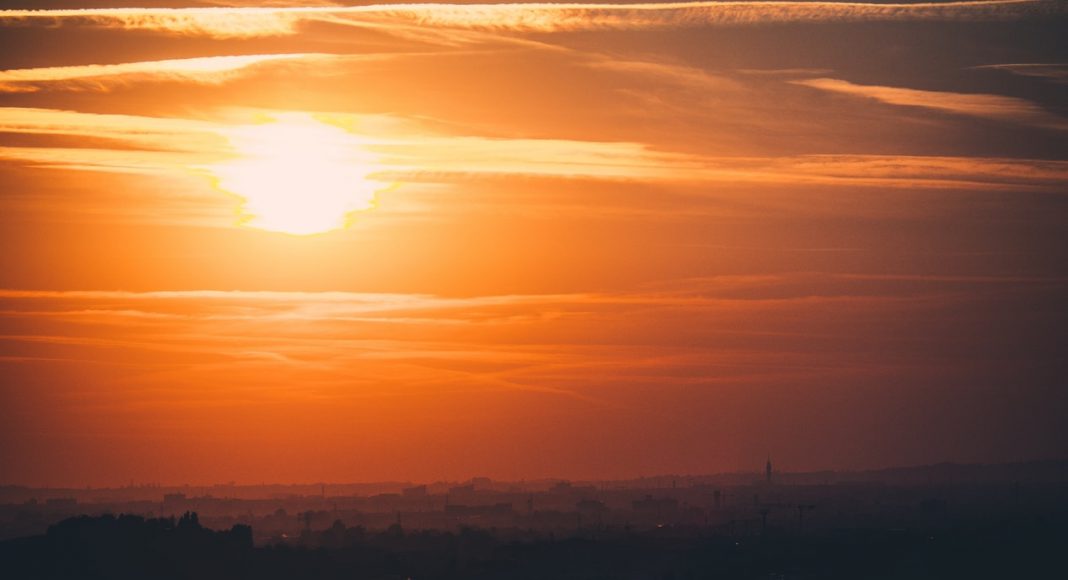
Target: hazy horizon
{"type": "Point", "coordinates": [757, 474]}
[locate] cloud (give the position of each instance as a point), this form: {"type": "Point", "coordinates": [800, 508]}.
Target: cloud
{"type": "Point", "coordinates": [791, 289]}
{"type": "Point", "coordinates": [993, 107]}
{"type": "Point", "coordinates": [177, 145]}
{"type": "Point", "coordinates": [340, 328]}
{"type": "Point", "coordinates": [339, 331]}
{"type": "Point", "coordinates": [916, 171]}
{"type": "Point", "coordinates": [667, 72]}
{"type": "Point", "coordinates": [171, 354]}
{"type": "Point", "coordinates": [212, 69]}
{"type": "Point", "coordinates": [139, 131]}
{"type": "Point", "coordinates": [243, 21]}
{"type": "Point", "coordinates": [268, 3]}
{"type": "Point", "coordinates": [344, 339]}
{"type": "Point", "coordinates": [1054, 72]}
{"type": "Point", "coordinates": [214, 22]}
{"type": "Point", "coordinates": [407, 151]}
{"type": "Point", "coordinates": [425, 157]}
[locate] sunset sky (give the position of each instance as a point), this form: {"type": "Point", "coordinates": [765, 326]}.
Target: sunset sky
{"type": "Point", "coordinates": [300, 241]}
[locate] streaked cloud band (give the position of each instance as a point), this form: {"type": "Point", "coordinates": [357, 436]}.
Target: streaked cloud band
{"type": "Point", "coordinates": [533, 17]}
{"type": "Point", "coordinates": [993, 107]}
{"type": "Point", "coordinates": [211, 69]}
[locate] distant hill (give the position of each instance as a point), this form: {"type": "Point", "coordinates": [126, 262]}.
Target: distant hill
{"type": "Point", "coordinates": [1050, 471]}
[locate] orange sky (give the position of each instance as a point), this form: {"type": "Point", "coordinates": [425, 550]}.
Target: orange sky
{"type": "Point", "coordinates": [326, 243]}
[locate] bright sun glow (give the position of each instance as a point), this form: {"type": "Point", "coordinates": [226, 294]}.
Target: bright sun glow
{"type": "Point", "coordinates": [298, 175]}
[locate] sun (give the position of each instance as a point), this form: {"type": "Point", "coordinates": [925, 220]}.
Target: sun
{"type": "Point", "coordinates": [297, 175]}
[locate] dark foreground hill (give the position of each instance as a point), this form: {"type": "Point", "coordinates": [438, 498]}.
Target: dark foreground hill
{"type": "Point", "coordinates": [131, 547]}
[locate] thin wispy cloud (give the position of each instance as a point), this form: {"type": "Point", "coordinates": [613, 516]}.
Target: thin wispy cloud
{"type": "Point", "coordinates": [278, 21]}
{"type": "Point", "coordinates": [181, 145]}
{"type": "Point", "coordinates": [551, 343]}
{"type": "Point", "coordinates": [406, 150]}
{"type": "Point", "coordinates": [993, 107]}
{"type": "Point", "coordinates": [210, 69]}
{"type": "Point", "coordinates": [713, 292]}
{"type": "Point", "coordinates": [1053, 72]}
{"type": "Point", "coordinates": [221, 332]}
{"type": "Point", "coordinates": [409, 154]}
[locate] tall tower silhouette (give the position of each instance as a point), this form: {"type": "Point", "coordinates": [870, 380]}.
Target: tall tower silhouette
{"type": "Point", "coordinates": [767, 470]}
